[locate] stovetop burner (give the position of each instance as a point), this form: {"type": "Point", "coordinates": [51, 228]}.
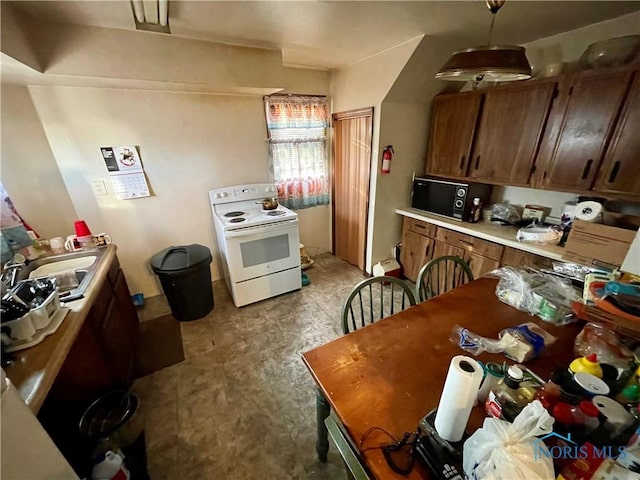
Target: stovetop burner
{"type": "Point", "coordinates": [237, 219]}
{"type": "Point", "coordinates": [233, 214]}
{"type": "Point", "coordinates": [276, 213]}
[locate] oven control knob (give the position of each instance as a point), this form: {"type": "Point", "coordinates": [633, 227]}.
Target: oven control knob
{"type": "Point", "coordinates": [461, 192]}
{"type": "Point", "coordinates": [224, 194]}
{"type": "Point", "coordinates": [218, 195]}
{"type": "Point", "coordinates": [459, 203]}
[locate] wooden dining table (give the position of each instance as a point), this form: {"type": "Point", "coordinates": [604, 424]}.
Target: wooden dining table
{"type": "Point", "coordinates": [390, 374]}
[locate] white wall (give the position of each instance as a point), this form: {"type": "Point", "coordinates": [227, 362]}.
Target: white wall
{"type": "Point", "coordinates": [29, 170]}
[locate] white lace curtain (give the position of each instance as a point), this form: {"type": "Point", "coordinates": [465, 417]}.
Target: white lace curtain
{"type": "Point", "coordinates": [298, 148]}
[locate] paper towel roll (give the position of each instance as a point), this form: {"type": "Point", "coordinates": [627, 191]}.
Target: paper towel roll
{"type": "Point", "coordinates": [458, 394]}
{"type": "Point", "coordinates": [588, 211]}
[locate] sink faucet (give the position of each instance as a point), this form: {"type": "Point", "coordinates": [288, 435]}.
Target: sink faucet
{"type": "Point", "coordinates": [9, 273]}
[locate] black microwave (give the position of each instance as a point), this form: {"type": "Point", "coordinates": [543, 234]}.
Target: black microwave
{"type": "Point", "coordinates": [449, 198]}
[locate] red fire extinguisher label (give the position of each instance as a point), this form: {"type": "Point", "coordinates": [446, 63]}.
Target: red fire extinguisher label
{"type": "Point", "coordinates": [387, 155]}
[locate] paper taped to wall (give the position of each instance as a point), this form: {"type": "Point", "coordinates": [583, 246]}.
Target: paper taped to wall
{"type": "Point", "coordinates": [126, 172]}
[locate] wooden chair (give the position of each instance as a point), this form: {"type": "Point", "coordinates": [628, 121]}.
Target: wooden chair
{"type": "Point", "coordinates": [373, 299]}
{"type": "Point", "coordinates": [441, 275]}
{"type": "Point", "coordinates": [370, 300]}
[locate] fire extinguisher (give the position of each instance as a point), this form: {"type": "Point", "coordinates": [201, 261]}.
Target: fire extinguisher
{"type": "Point", "coordinates": [387, 155]}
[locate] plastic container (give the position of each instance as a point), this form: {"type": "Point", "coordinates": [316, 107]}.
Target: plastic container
{"type": "Point", "coordinates": [115, 422]}
{"type": "Point", "coordinates": [588, 364]}
{"type": "Point", "coordinates": [186, 280]}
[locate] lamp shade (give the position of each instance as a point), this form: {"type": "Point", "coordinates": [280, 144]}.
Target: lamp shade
{"type": "Point", "coordinates": [498, 63]}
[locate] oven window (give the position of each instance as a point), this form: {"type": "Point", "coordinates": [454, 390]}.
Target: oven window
{"type": "Point", "coordinates": [258, 252]}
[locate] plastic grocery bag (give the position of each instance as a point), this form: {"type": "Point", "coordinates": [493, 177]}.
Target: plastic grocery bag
{"type": "Point", "coordinates": [506, 451]}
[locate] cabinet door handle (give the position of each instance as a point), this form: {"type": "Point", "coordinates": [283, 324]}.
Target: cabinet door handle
{"type": "Point", "coordinates": [426, 251]}
{"type": "Point", "coordinates": [477, 161]}
{"type": "Point", "coordinates": [614, 172]}
{"type": "Point", "coordinates": [416, 225]}
{"type": "Point", "coordinates": [466, 243]}
{"type": "Point", "coordinates": [462, 162]}
{"type": "Point", "coordinates": [587, 167]}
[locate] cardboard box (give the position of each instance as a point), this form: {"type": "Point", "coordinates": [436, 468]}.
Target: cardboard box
{"type": "Point", "coordinates": [595, 244]}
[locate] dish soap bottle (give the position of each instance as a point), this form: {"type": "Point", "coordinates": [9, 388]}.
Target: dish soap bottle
{"type": "Point", "coordinates": [476, 210]}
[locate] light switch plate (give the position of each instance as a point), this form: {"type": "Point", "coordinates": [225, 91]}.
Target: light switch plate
{"type": "Point", "coordinates": [99, 188]}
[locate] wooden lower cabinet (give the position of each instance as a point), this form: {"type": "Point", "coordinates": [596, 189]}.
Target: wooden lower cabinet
{"type": "Point", "coordinates": [422, 242]}
{"type": "Point", "coordinates": [416, 251]}
{"type": "Point", "coordinates": [101, 359]}
{"type": "Point", "coordinates": [517, 258]}
{"type": "Point", "coordinates": [480, 265]}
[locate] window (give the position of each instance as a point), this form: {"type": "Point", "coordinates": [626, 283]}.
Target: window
{"type": "Point", "coordinates": [298, 148]}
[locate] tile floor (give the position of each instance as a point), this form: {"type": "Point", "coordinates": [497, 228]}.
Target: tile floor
{"type": "Point", "coordinates": [242, 404]}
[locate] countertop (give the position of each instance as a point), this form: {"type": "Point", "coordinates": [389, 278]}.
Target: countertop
{"type": "Point", "coordinates": [36, 368]}
{"type": "Point", "coordinates": [493, 232]}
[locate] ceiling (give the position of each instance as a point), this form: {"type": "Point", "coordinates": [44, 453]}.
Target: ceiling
{"type": "Point", "coordinates": [333, 34]}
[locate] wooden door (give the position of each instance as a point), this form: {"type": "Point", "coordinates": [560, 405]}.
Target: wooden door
{"type": "Point", "coordinates": [509, 133]}
{"type": "Point", "coordinates": [620, 170]}
{"type": "Point", "coordinates": [587, 109]}
{"type": "Point", "coordinates": [480, 265]}
{"type": "Point", "coordinates": [352, 133]}
{"type": "Point", "coordinates": [453, 123]}
{"type": "Point", "coordinates": [416, 251]}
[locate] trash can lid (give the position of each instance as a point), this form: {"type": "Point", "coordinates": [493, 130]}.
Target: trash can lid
{"type": "Point", "coordinates": [176, 259]}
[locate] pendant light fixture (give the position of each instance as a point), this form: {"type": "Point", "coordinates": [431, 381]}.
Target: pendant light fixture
{"type": "Point", "coordinates": [492, 63]}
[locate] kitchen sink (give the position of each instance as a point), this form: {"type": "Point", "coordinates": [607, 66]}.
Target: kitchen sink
{"type": "Point", "coordinates": [73, 271]}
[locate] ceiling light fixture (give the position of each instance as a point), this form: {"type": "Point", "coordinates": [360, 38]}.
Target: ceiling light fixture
{"type": "Point", "coordinates": [151, 15]}
{"type": "Point", "coordinates": [497, 63]}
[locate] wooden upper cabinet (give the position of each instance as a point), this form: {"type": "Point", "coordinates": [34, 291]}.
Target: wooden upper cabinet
{"type": "Point", "coordinates": [620, 169]}
{"type": "Point", "coordinates": [453, 122]}
{"type": "Point", "coordinates": [509, 133]}
{"type": "Point", "coordinates": [581, 123]}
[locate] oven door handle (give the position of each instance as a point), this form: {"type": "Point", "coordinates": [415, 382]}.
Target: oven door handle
{"type": "Point", "coordinates": [270, 227]}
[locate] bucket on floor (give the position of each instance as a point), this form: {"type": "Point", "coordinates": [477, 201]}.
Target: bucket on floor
{"type": "Point", "coordinates": [186, 280]}
{"type": "Point", "coordinates": [115, 422]}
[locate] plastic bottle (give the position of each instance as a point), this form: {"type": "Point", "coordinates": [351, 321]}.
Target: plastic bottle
{"type": "Point", "coordinates": [110, 466]}
{"type": "Point", "coordinates": [476, 210]}
{"type": "Point", "coordinates": [505, 400]}
{"type": "Point", "coordinates": [588, 364]}
{"type": "Point", "coordinates": [549, 393]}
{"type": "Point", "coordinates": [585, 417]}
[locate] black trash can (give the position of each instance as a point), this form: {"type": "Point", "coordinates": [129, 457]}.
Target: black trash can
{"type": "Point", "coordinates": [115, 421]}
{"type": "Point", "coordinates": [186, 280]}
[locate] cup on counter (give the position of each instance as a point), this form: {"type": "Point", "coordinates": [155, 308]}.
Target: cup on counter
{"type": "Point", "coordinates": [72, 243]}
{"type": "Point", "coordinates": [57, 245]}
{"type": "Point", "coordinates": [102, 239]}
{"type": "Point", "coordinates": [87, 241]}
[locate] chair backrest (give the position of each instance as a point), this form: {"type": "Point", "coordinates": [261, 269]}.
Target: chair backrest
{"type": "Point", "coordinates": [441, 275]}
{"type": "Point", "coordinates": [373, 299]}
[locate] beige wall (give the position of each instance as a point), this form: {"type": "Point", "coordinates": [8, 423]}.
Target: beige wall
{"type": "Point", "coordinates": [404, 123]}
{"type": "Point", "coordinates": [189, 144]}
{"type": "Point", "coordinates": [29, 170]}
{"type": "Point", "coordinates": [315, 222]}
{"type": "Point", "coordinates": [569, 46]}
{"type": "Point", "coordinates": [365, 84]}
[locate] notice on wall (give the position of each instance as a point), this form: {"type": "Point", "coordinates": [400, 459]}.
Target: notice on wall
{"type": "Point", "coordinates": [126, 172]}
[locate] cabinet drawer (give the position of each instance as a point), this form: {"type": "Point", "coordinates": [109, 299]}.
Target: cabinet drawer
{"type": "Point", "coordinates": [419, 227]}
{"type": "Point", "coordinates": [472, 244]}
{"type": "Point", "coordinates": [517, 258]}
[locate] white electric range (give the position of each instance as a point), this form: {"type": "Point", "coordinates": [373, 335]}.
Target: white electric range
{"type": "Point", "coordinates": [259, 249]}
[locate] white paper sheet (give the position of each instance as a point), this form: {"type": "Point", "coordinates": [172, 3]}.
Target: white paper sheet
{"type": "Point", "coordinates": [126, 172]}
